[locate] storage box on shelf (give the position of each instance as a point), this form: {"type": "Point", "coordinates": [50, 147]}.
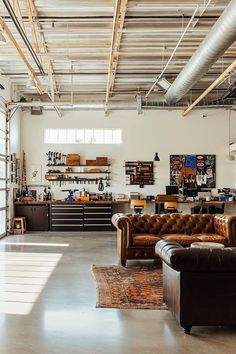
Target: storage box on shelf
{"type": "Point", "coordinates": [73, 159]}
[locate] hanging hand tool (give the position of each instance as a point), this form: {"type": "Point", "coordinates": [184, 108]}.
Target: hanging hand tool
{"type": "Point", "coordinates": [100, 185]}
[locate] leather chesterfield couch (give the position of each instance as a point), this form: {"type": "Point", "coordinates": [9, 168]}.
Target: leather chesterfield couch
{"type": "Point", "coordinates": [199, 285]}
{"type": "Point", "coordinates": [137, 234]}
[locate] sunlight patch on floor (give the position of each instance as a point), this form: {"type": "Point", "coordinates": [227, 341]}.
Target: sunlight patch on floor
{"type": "Point", "coordinates": [23, 275]}
{"type": "Point", "coordinates": [36, 244]}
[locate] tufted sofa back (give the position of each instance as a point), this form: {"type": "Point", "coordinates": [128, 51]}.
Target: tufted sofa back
{"type": "Point", "coordinates": [172, 224]}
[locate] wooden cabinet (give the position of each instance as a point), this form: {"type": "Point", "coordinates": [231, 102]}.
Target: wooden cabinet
{"type": "Point", "coordinates": [37, 216]}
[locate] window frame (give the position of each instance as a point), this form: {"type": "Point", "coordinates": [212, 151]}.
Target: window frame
{"type": "Point", "coordinates": [108, 136]}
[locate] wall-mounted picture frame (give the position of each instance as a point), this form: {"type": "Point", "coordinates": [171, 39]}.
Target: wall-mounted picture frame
{"type": "Point", "coordinates": [35, 173]}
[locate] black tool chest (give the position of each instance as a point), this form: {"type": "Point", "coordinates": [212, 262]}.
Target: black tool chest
{"type": "Point", "coordinates": [81, 217]}
{"type": "Point", "coordinates": [67, 217]}
{"type": "Point", "coordinates": [97, 217]}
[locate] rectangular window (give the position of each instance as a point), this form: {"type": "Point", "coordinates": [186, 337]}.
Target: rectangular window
{"type": "Point", "coordinates": [83, 136]}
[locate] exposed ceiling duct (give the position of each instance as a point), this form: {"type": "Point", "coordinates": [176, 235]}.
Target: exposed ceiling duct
{"type": "Point", "coordinates": [221, 36]}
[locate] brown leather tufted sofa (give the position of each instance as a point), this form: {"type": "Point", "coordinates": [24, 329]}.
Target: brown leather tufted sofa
{"type": "Point", "coordinates": [137, 235]}
{"type": "Point", "coordinates": [199, 285]}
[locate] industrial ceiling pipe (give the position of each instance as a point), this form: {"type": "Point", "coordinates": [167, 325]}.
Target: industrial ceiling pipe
{"type": "Point", "coordinates": [221, 36]}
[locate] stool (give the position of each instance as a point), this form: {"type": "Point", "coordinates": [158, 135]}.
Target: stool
{"type": "Point", "coordinates": [19, 224]}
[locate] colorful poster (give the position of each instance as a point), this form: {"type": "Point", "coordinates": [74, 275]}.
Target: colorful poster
{"type": "Point", "coordinates": [193, 170]}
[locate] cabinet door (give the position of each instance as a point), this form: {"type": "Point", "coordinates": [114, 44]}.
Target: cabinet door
{"type": "Point", "coordinates": [27, 211]}
{"type": "Point", "coordinates": [37, 218]}
{"type": "Point", "coordinates": [40, 218]}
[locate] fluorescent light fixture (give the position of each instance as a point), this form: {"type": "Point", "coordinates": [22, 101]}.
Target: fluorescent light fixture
{"type": "Point", "coordinates": [164, 84]}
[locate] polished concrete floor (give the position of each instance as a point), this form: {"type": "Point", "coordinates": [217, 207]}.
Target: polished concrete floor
{"type": "Point", "coordinates": [48, 297]}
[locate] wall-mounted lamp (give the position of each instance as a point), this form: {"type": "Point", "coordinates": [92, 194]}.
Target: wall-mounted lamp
{"type": "Point", "coordinates": [156, 157]}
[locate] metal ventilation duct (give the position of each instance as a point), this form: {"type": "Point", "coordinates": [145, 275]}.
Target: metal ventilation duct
{"type": "Point", "coordinates": [221, 36]}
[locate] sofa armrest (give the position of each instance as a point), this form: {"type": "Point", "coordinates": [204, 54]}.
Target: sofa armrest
{"type": "Point", "coordinates": [123, 223]}
{"type": "Point", "coordinates": [225, 225]}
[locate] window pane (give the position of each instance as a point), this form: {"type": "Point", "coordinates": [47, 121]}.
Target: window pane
{"type": "Point", "coordinates": [2, 169]}
{"type": "Point", "coordinates": [2, 121]}
{"type": "Point", "coordinates": [2, 199]}
{"type": "Point", "coordinates": [71, 136]}
{"type": "Point", "coordinates": [2, 222]}
{"type": "Point", "coordinates": [88, 136]}
{"type": "Point", "coordinates": [2, 184]}
{"type": "Point", "coordinates": [62, 136]}
{"type": "Point", "coordinates": [79, 136]}
{"type": "Point", "coordinates": [98, 136]}
{"type": "Point", "coordinates": [2, 146]}
{"type": "Point", "coordinates": [108, 136]}
{"type": "Point", "coordinates": [117, 136]}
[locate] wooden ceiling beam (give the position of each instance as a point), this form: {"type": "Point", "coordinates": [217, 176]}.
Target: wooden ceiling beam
{"type": "Point", "coordinates": [112, 48]}
{"type": "Point", "coordinates": [78, 44]}
{"type": "Point", "coordinates": [19, 14]}
{"type": "Point", "coordinates": [217, 82]}
{"type": "Point", "coordinates": [32, 26]}
{"type": "Point", "coordinates": [10, 36]}
{"type": "Point", "coordinates": [118, 42]}
{"type": "Point", "coordinates": [53, 82]}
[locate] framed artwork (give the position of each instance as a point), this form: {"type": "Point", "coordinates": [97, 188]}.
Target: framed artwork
{"type": "Point", "coordinates": [35, 173]}
{"type": "Point", "coordinates": [196, 170]}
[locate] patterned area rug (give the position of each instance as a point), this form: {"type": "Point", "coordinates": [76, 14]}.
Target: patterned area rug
{"type": "Point", "coordinates": [136, 287]}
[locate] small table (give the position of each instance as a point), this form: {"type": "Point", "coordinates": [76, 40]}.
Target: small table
{"type": "Point", "coordinates": [206, 245]}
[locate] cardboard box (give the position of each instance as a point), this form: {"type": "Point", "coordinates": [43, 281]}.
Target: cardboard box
{"type": "Point", "coordinates": [91, 162]}
{"type": "Point", "coordinates": [73, 159]}
{"type": "Point", "coordinates": [102, 161]}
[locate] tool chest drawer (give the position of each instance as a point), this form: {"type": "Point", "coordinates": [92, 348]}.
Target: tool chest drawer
{"type": "Point", "coordinates": [97, 217]}
{"type": "Point", "coordinates": [66, 217]}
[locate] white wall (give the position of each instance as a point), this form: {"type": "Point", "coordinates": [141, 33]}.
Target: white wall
{"type": "Point", "coordinates": [163, 131]}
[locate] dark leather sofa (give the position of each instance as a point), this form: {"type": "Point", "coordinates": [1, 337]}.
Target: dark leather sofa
{"type": "Point", "coordinates": [199, 285]}
{"type": "Point", "coordinates": [137, 235]}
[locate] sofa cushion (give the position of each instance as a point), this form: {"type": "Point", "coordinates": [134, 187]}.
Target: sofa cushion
{"type": "Point", "coordinates": [212, 238]}
{"type": "Point", "coordinates": [145, 240]}
{"type": "Point", "coordinates": [184, 240]}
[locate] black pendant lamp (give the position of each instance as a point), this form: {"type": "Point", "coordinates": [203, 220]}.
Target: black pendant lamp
{"type": "Point", "coordinates": [156, 157]}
